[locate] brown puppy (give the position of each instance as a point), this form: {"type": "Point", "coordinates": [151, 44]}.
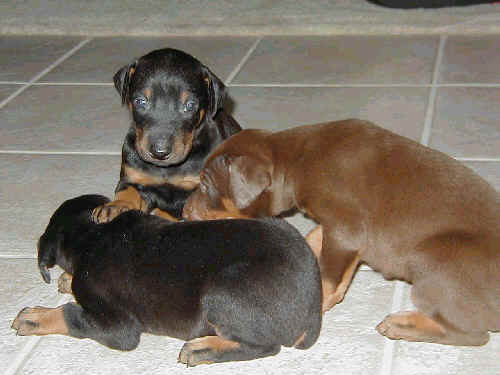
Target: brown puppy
{"type": "Point", "coordinates": [406, 210]}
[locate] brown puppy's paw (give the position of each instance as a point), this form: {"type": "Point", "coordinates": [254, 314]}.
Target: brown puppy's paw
{"type": "Point", "coordinates": [39, 321]}
{"type": "Point", "coordinates": [64, 283]}
{"type": "Point", "coordinates": [331, 300]}
{"type": "Point", "coordinates": [205, 350]}
{"type": "Point", "coordinates": [410, 326]}
{"type": "Point", "coordinates": [108, 211]}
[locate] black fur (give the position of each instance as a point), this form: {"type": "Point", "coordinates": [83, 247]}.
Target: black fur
{"type": "Point", "coordinates": [255, 282]}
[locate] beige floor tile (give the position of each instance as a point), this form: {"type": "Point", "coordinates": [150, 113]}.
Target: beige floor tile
{"type": "Point", "coordinates": [489, 170]}
{"type": "Point", "coordinates": [6, 90]}
{"type": "Point", "coordinates": [399, 109]}
{"type": "Point", "coordinates": [20, 285]}
{"type": "Point", "coordinates": [471, 59]}
{"type": "Point", "coordinates": [341, 60]}
{"type": "Point", "coordinates": [466, 122]}
{"type": "Point", "coordinates": [70, 118]}
{"type": "Point", "coordinates": [100, 59]}
{"type": "Point", "coordinates": [22, 57]}
{"type": "Point", "coordinates": [411, 358]}
{"type": "Point", "coordinates": [33, 186]}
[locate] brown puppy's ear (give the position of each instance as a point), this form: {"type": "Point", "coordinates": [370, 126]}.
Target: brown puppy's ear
{"type": "Point", "coordinates": [122, 80]}
{"type": "Point", "coordinates": [248, 178]}
{"type": "Point", "coordinates": [216, 92]}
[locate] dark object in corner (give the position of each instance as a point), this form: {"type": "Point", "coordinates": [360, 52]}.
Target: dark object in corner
{"type": "Point", "coordinates": [409, 4]}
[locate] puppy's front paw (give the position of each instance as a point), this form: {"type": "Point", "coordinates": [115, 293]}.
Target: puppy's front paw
{"type": "Point", "coordinates": [108, 211]}
{"type": "Point", "coordinates": [64, 283]}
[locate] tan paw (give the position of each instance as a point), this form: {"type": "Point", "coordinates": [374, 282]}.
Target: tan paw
{"type": "Point", "coordinates": [107, 212]}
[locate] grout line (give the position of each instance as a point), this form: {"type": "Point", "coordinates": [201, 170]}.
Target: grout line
{"type": "Point", "coordinates": [291, 85]}
{"type": "Point", "coordinates": [73, 84]}
{"type": "Point", "coordinates": [23, 355]}
{"type": "Point", "coordinates": [13, 82]}
{"type": "Point", "coordinates": [467, 85]}
{"type": "Point", "coordinates": [388, 356]}
{"type": "Point", "coordinates": [429, 115]}
{"type": "Point", "coordinates": [365, 85]}
{"type": "Point", "coordinates": [243, 61]}
{"type": "Point", "coordinates": [16, 93]}
{"type": "Point", "coordinates": [327, 85]}
{"type": "Point", "coordinates": [18, 256]}
{"type": "Point", "coordinates": [478, 159]}
{"type": "Point", "coordinates": [39, 152]}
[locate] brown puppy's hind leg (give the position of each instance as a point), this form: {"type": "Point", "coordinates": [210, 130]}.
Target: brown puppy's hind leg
{"type": "Point", "coordinates": [416, 326]}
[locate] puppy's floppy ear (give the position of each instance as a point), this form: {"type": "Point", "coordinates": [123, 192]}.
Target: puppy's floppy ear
{"type": "Point", "coordinates": [122, 80]}
{"type": "Point", "coordinates": [216, 92]}
{"type": "Point", "coordinates": [248, 178]}
{"type": "Point", "coordinates": [48, 247]}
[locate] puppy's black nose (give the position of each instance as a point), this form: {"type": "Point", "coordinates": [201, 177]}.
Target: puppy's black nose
{"type": "Point", "coordinates": [160, 153]}
{"type": "Point", "coordinates": [160, 148]}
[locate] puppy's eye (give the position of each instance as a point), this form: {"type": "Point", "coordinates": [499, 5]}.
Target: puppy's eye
{"type": "Point", "coordinates": [189, 106]}
{"type": "Point", "coordinates": [140, 102]}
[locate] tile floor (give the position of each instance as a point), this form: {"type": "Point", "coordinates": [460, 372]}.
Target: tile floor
{"type": "Point", "coordinates": [61, 128]}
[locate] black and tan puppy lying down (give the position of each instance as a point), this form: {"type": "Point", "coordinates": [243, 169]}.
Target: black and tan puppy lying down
{"type": "Point", "coordinates": [233, 289]}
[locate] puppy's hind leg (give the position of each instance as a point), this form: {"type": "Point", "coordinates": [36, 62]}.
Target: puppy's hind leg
{"type": "Point", "coordinates": [215, 349]}
{"type": "Point", "coordinates": [72, 320]}
{"type": "Point", "coordinates": [432, 322]}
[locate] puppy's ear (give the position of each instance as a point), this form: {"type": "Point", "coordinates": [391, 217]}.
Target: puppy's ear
{"type": "Point", "coordinates": [47, 253]}
{"type": "Point", "coordinates": [248, 179]}
{"type": "Point", "coordinates": [122, 80]}
{"type": "Point", "coordinates": [216, 92]}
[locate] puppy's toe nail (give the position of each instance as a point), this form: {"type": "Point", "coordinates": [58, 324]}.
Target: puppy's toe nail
{"type": "Point", "coordinates": [381, 328]}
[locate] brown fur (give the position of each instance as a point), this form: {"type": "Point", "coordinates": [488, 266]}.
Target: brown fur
{"type": "Point", "coordinates": [406, 210]}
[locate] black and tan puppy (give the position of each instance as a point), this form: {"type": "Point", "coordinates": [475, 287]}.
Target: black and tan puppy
{"type": "Point", "coordinates": [177, 120]}
{"type": "Point", "coordinates": [233, 289]}
{"type": "Point", "coordinates": [406, 210]}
